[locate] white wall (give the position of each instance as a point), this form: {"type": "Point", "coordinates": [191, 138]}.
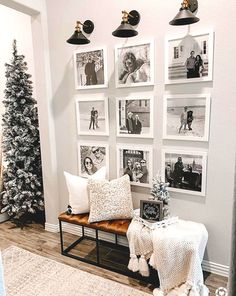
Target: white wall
{"type": "Point", "coordinates": [214, 210]}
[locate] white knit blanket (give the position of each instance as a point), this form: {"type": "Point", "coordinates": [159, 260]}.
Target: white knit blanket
{"type": "Point", "coordinates": [176, 251]}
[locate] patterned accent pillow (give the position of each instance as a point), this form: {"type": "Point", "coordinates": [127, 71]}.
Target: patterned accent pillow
{"type": "Point", "coordinates": [110, 200]}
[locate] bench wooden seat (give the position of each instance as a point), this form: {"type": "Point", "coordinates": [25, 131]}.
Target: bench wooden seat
{"type": "Point", "coordinates": [118, 227]}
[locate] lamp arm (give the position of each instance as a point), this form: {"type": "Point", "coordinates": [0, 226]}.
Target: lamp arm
{"type": "Point", "coordinates": [127, 13]}
{"type": "Point", "coordinates": [185, 4]}
{"type": "Point", "coordinates": [125, 16]}
{"type": "Point", "coordinates": [78, 26]}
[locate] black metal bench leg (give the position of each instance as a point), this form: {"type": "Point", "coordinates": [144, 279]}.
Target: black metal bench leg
{"type": "Point", "coordinates": [61, 236]}
{"type": "Point", "coordinates": [116, 239]}
{"type": "Point", "coordinates": [97, 247]}
{"type": "Point", "coordinates": [82, 231]}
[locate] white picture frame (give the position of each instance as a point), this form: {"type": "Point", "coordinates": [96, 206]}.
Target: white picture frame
{"type": "Point", "coordinates": [134, 64]}
{"type": "Point", "coordinates": [134, 116]}
{"type": "Point", "coordinates": [90, 68]}
{"type": "Point", "coordinates": [177, 54]}
{"type": "Point", "coordinates": [188, 177]}
{"type": "Point", "coordinates": [87, 149]}
{"type": "Point", "coordinates": [140, 174]}
{"type": "Point", "coordinates": [92, 116]}
{"type": "Point", "coordinates": [186, 117]}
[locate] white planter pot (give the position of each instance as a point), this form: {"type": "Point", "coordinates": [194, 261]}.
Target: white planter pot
{"type": "Point", "coordinates": [3, 217]}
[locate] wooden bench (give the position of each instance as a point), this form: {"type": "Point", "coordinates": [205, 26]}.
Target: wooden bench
{"type": "Point", "coordinates": [116, 227]}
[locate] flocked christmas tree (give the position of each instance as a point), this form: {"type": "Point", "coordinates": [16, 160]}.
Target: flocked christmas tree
{"type": "Point", "coordinates": [22, 175]}
{"type": "Point", "coordinates": [160, 192]}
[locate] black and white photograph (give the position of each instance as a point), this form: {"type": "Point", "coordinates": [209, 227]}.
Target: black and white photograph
{"type": "Point", "coordinates": [134, 117]}
{"type": "Point", "coordinates": [92, 157]}
{"type": "Point", "coordinates": [92, 116]}
{"type": "Point", "coordinates": [90, 68]}
{"type": "Point", "coordinates": [189, 58]}
{"type": "Point", "coordinates": [151, 210]}
{"type": "Point", "coordinates": [186, 117]}
{"type": "Point", "coordinates": [185, 171]}
{"type": "Point", "coordinates": [135, 161]}
{"type": "Point", "coordinates": [134, 65]}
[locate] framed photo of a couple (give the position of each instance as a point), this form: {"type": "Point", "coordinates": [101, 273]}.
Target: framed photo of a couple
{"type": "Point", "coordinates": [134, 117]}
{"type": "Point", "coordinates": [92, 157]}
{"type": "Point", "coordinates": [189, 58]}
{"type": "Point", "coordinates": [92, 116]}
{"type": "Point", "coordinates": [135, 161]}
{"type": "Point", "coordinates": [134, 64]}
{"type": "Point", "coordinates": [90, 68]}
{"type": "Point", "coordinates": [186, 117]}
{"type": "Point", "coordinates": [185, 171]}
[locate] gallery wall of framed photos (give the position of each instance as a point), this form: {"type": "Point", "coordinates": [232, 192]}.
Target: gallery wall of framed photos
{"type": "Point", "coordinates": [185, 118]}
{"type": "Point", "coordinates": [212, 100]}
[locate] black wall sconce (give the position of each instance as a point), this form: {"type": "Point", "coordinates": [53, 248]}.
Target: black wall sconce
{"type": "Point", "coordinates": [78, 37]}
{"type": "Point", "coordinates": [129, 19]}
{"type": "Point", "coordinates": [185, 15]}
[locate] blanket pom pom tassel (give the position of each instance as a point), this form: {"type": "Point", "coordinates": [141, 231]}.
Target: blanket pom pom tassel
{"type": "Point", "coordinates": [143, 266]}
{"type": "Point", "coordinates": [194, 292]}
{"type": "Point", "coordinates": [158, 292]}
{"type": "Point", "coordinates": [133, 263]}
{"type": "Point", "coordinates": [184, 290]}
{"type": "Point", "coordinates": [152, 262]}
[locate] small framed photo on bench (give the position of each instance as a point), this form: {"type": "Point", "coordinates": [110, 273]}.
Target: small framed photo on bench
{"type": "Point", "coordinates": [151, 210]}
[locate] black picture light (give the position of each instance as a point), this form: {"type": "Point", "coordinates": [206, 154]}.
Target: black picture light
{"type": "Point", "coordinates": [129, 19]}
{"type": "Point", "coordinates": [78, 37]}
{"type": "Point", "coordinates": [185, 15]}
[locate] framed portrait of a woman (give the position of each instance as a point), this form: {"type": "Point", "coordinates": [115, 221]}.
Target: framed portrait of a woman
{"type": "Point", "coordinates": [92, 157]}
{"type": "Point", "coordinates": [134, 64]}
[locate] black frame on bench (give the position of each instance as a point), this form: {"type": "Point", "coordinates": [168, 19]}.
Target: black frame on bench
{"type": "Point", "coordinates": [153, 278]}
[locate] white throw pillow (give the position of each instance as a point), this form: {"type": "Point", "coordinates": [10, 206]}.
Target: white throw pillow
{"type": "Point", "coordinates": [79, 192]}
{"type": "Point", "coordinates": [110, 200]}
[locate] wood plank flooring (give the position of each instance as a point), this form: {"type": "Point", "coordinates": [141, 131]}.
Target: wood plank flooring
{"type": "Point", "coordinates": [35, 239]}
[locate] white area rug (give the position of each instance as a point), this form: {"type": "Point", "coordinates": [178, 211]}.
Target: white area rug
{"type": "Point", "coordinates": [27, 274]}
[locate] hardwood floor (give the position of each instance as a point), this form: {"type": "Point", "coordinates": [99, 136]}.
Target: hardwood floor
{"type": "Point", "coordinates": [35, 239]}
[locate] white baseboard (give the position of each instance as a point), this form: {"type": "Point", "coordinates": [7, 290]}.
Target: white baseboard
{"type": "Point", "coordinates": [52, 227]}
{"type": "Point", "coordinates": [212, 267]}
{"type": "Point", "coordinates": [215, 268]}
